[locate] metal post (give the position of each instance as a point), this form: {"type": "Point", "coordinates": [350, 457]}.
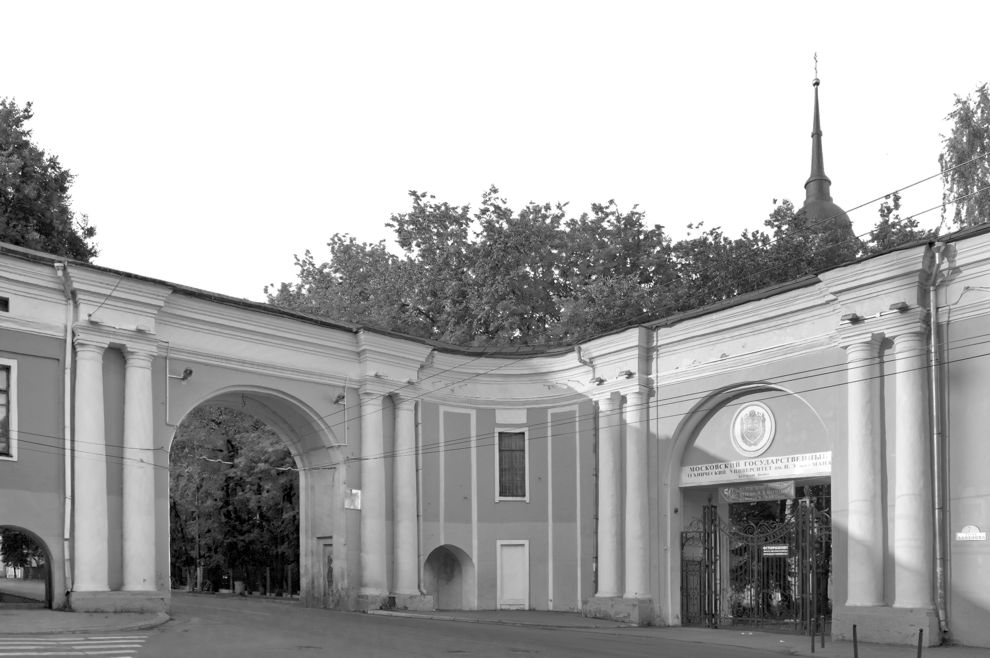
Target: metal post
{"type": "Point", "coordinates": [855, 643]}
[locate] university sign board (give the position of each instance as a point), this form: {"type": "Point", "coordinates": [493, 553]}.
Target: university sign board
{"type": "Point", "coordinates": [812, 464]}
{"type": "Point", "coordinates": [754, 493]}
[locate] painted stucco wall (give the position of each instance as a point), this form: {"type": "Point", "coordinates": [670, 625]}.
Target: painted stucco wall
{"type": "Point", "coordinates": [32, 486]}
{"type": "Point", "coordinates": [460, 505]}
{"type": "Point", "coordinates": [968, 390]}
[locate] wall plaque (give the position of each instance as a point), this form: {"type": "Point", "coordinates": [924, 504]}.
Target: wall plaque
{"type": "Point", "coordinates": [753, 428]}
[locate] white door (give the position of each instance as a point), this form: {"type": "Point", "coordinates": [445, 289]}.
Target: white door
{"type": "Point", "coordinates": [513, 575]}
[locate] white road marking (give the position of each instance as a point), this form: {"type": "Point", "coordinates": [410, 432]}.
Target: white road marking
{"type": "Point", "coordinates": [117, 646]}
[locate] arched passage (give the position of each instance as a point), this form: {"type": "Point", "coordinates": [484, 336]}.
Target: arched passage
{"type": "Point", "coordinates": [26, 576]}
{"type": "Point", "coordinates": [314, 452]}
{"type": "Point", "coordinates": [450, 578]}
{"type": "Point", "coordinates": [751, 490]}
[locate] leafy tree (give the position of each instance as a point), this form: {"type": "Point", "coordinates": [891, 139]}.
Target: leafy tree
{"type": "Point", "coordinates": [234, 496]}
{"type": "Point", "coordinates": [19, 549]}
{"type": "Point", "coordinates": [495, 276]}
{"type": "Point", "coordinates": [893, 230]}
{"type": "Point", "coordinates": [965, 159]}
{"type": "Point", "coordinates": [35, 210]}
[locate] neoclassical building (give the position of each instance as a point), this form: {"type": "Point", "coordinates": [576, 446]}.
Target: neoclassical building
{"type": "Point", "coordinates": [809, 456]}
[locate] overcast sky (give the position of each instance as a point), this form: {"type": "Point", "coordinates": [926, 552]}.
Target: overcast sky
{"type": "Point", "coordinates": [211, 141]}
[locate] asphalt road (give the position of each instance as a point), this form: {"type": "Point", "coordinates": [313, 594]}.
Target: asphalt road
{"type": "Point", "coordinates": [218, 627]}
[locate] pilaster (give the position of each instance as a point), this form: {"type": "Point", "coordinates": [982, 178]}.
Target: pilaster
{"type": "Point", "coordinates": [89, 463]}
{"type": "Point", "coordinates": [865, 543]}
{"type": "Point", "coordinates": [138, 473]}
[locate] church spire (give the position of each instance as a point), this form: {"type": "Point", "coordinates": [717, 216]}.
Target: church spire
{"type": "Point", "coordinates": [818, 186]}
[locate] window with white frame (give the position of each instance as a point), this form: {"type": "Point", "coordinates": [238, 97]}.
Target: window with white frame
{"type": "Point", "coordinates": [512, 463]}
{"type": "Point", "coordinates": [8, 410]}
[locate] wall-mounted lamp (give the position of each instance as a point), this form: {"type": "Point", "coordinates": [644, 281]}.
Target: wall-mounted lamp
{"type": "Point", "coordinates": [597, 381]}
{"type": "Point", "coordinates": [851, 318]}
{"type": "Point", "coordinates": [899, 307]}
{"type": "Point", "coordinates": [626, 374]}
{"type": "Point", "coordinates": [186, 374]}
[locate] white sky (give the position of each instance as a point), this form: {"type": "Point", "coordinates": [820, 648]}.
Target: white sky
{"type": "Point", "coordinates": [211, 141]}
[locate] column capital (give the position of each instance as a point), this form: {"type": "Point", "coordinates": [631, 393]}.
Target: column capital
{"type": "Point", "coordinates": [89, 340]}
{"type": "Point", "coordinates": [404, 400]}
{"type": "Point", "coordinates": [858, 341]}
{"type": "Point", "coordinates": [139, 356]}
{"type": "Point", "coordinates": [911, 321]}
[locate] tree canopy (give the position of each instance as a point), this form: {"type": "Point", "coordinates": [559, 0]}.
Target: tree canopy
{"type": "Point", "coordinates": [35, 205]}
{"type": "Point", "coordinates": [497, 276]}
{"type": "Point", "coordinates": [965, 159]}
{"type": "Point", "coordinates": [234, 496]}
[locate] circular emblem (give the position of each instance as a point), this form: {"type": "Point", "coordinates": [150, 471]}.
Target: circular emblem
{"type": "Point", "coordinates": [752, 429]}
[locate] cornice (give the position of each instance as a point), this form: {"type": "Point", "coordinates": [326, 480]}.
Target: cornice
{"type": "Point", "coordinates": [117, 300]}
{"type": "Point", "coordinates": [331, 374]}
{"type": "Point", "coordinates": [188, 320]}
{"type": "Point", "coordinates": [726, 367]}
{"type": "Point", "coordinates": [387, 357]}
{"type": "Point", "coordinates": [794, 307]}
{"type": "Point", "coordinates": [34, 327]}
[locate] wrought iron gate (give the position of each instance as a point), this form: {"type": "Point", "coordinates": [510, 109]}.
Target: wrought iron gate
{"type": "Point", "coordinates": [767, 565]}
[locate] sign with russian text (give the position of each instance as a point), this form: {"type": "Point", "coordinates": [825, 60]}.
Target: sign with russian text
{"type": "Point", "coordinates": [812, 464]}
{"type": "Point", "coordinates": [754, 493]}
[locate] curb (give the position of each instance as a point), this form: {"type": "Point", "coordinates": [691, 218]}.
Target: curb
{"type": "Point", "coordinates": [158, 620]}
{"type": "Point", "coordinates": [497, 622]}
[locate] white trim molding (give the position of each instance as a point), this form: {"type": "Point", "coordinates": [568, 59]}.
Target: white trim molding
{"type": "Point", "coordinates": [11, 409]}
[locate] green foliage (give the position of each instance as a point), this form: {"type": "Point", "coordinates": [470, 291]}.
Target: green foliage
{"type": "Point", "coordinates": [19, 549]}
{"type": "Point", "coordinates": [965, 159]}
{"type": "Point", "coordinates": [35, 209]}
{"type": "Point", "coordinates": [494, 276]}
{"type": "Point", "coordinates": [893, 230]}
{"type": "Point", "coordinates": [234, 494]}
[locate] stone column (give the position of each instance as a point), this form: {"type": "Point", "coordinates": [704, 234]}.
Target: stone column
{"type": "Point", "coordinates": [865, 559]}
{"type": "Point", "coordinates": [89, 462]}
{"type": "Point", "coordinates": [637, 505]}
{"type": "Point", "coordinates": [913, 528]}
{"type": "Point", "coordinates": [373, 559]}
{"type": "Point", "coordinates": [138, 475]}
{"type": "Point", "coordinates": [609, 497]}
{"type": "Point", "coordinates": [405, 495]}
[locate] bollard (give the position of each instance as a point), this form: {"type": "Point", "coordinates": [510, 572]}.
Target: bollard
{"type": "Point", "coordinates": [822, 629]}
{"type": "Point", "coordinates": [811, 624]}
{"type": "Point", "coordinates": [921, 634]}
{"type": "Point", "coordinates": [855, 643]}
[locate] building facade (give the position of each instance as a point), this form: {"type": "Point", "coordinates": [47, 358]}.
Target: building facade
{"type": "Point", "coordinates": [807, 457]}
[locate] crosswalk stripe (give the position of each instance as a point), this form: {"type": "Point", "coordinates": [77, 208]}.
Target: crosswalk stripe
{"type": "Point", "coordinates": [112, 646]}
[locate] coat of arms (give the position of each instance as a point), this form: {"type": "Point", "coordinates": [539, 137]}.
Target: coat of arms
{"type": "Point", "coordinates": [752, 429]}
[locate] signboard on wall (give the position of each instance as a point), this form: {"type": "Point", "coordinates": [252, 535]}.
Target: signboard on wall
{"type": "Point", "coordinates": [753, 493]}
{"type": "Point", "coordinates": [812, 464]}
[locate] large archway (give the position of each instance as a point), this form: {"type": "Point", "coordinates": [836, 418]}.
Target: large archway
{"type": "Point", "coordinates": [25, 570]}
{"type": "Point", "coordinates": [302, 479]}
{"type": "Point", "coordinates": [752, 467]}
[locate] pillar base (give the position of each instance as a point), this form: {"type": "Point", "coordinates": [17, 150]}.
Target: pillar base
{"type": "Point", "coordinates": [367, 601]}
{"type": "Point", "coordinates": [630, 611]}
{"type": "Point", "coordinates": [420, 602]}
{"type": "Point", "coordinates": [118, 601]}
{"type": "Point", "coordinates": [886, 625]}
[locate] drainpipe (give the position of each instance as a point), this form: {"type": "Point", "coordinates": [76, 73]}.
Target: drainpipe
{"type": "Point", "coordinates": [938, 448]}
{"type": "Point", "coordinates": [62, 271]}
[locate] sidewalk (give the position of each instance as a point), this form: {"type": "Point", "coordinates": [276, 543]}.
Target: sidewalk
{"type": "Point", "coordinates": [29, 622]}
{"type": "Point", "coordinates": [34, 622]}
{"type": "Point", "coordinates": [769, 643]}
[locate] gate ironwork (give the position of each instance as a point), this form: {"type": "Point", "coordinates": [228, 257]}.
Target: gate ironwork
{"type": "Point", "coordinates": [767, 565]}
